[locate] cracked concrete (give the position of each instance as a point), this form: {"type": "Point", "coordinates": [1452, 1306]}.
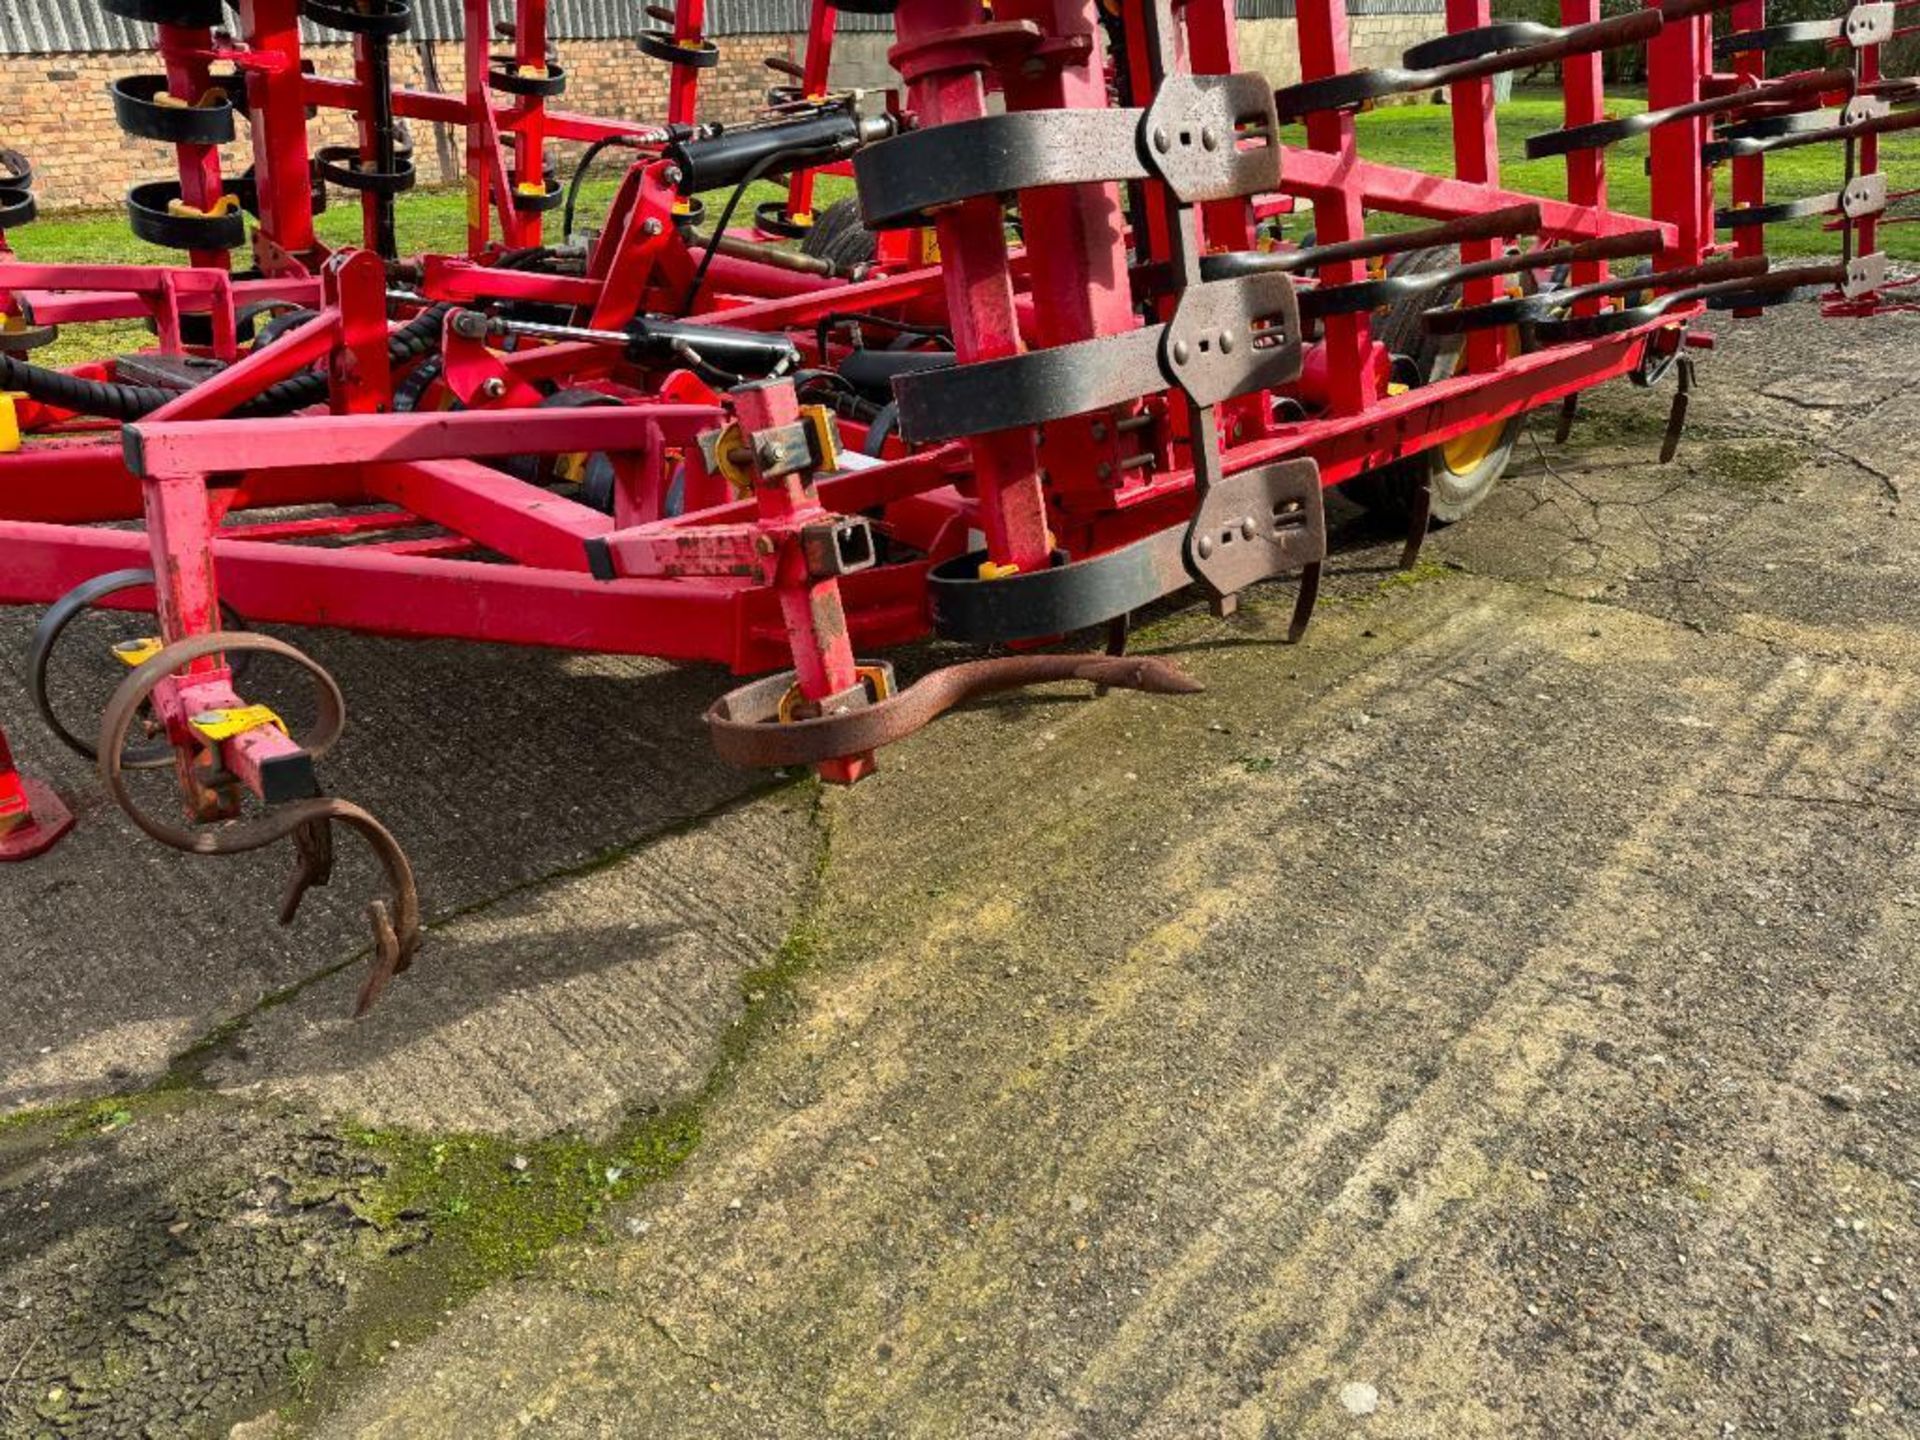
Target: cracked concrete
{"type": "Point", "coordinates": [1502, 1001]}
{"type": "Point", "coordinates": [124, 954]}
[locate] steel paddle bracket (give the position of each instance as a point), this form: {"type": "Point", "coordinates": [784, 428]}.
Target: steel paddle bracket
{"type": "Point", "coordinates": [1865, 275]}
{"type": "Point", "coordinates": [1864, 195]}
{"type": "Point", "coordinates": [1258, 525]}
{"type": "Point", "coordinates": [1861, 26]}
{"type": "Point", "coordinates": [1212, 137]}
{"type": "Point", "coordinates": [1206, 137]}
{"type": "Point", "coordinates": [1228, 337]}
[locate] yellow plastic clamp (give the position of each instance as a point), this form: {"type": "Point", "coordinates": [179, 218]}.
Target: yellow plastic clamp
{"type": "Point", "coordinates": [826, 435]}
{"type": "Point", "coordinates": [873, 676]}
{"type": "Point", "coordinates": [137, 652]}
{"type": "Point", "coordinates": [225, 205]}
{"type": "Point", "coordinates": [225, 724]}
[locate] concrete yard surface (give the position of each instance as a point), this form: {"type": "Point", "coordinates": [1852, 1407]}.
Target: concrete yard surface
{"type": "Point", "coordinates": [1494, 1016]}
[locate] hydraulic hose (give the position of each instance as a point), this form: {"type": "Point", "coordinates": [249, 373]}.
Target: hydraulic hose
{"type": "Point", "coordinates": [109, 400]}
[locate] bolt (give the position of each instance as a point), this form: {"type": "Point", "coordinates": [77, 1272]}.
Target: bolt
{"type": "Point", "coordinates": [1099, 430]}
{"type": "Point", "coordinates": [1205, 547]}
{"type": "Point", "coordinates": [1226, 342]}
{"type": "Point", "coordinates": [1208, 140]}
{"type": "Point", "coordinates": [671, 175]}
{"type": "Point", "coordinates": [1247, 528]}
{"type": "Point", "coordinates": [1180, 352]}
{"type": "Point", "coordinates": [1161, 140]}
{"type": "Point", "coordinates": [1104, 470]}
{"type": "Point", "coordinates": [652, 227]}
{"type": "Point", "coordinates": [769, 453]}
{"type": "Point", "coordinates": [493, 388]}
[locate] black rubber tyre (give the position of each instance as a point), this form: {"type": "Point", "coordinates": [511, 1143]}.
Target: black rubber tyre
{"type": "Point", "coordinates": [1457, 487]}
{"type": "Point", "coordinates": [840, 236]}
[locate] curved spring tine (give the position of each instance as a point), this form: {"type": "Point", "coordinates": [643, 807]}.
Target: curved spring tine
{"type": "Point", "coordinates": [1370, 294]}
{"type": "Point", "coordinates": [1521, 309]}
{"type": "Point", "coordinates": [1608, 132]}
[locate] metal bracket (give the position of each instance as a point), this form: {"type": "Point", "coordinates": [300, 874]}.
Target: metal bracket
{"type": "Point", "coordinates": [1869, 24]}
{"type": "Point", "coordinates": [1863, 108]}
{"type": "Point", "coordinates": [1865, 195]}
{"type": "Point", "coordinates": [1196, 136]}
{"type": "Point", "coordinates": [1208, 137]}
{"type": "Point", "coordinates": [1228, 337]}
{"type": "Point", "coordinates": [1865, 275]}
{"type": "Point", "coordinates": [1257, 525]}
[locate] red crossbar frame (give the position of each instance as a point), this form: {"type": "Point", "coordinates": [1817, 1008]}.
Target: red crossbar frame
{"type": "Point", "coordinates": [506, 559]}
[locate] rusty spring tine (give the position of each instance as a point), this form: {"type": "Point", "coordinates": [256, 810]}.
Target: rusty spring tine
{"type": "Point", "coordinates": [1339, 92]}
{"type": "Point", "coordinates": [1494, 225]}
{"type": "Point", "coordinates": [1608, 132]}
{"type": "Point", "coordinates": [1457, 320]}
{"type": "Point", "coordinates": [396, 929]}
{"type": "Point", "coordinates": [781, 65]}
{"type": "Point", "coordinates": [1370, 294]}
{"type": "Point", "coordinates": [745, 729]}
{"type": "Point", "coordinates": [1587, 327]}
{"type": "Point", "coordinates": [1878, 125]}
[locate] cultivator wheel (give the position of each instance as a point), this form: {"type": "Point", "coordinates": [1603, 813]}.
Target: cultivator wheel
{"type": "Point", "coordinates": [1445, 483]}
{"type": "Point", "coordinates": [52, 631]}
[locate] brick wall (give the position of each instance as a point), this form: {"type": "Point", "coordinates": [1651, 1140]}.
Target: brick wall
{"type": "Point", "coordinates": [55, 107]}
{"type": "Point", "coordinates": [1272, 46]}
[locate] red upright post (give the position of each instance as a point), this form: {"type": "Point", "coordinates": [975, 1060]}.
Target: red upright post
{"type": "Point", "coordinates": [529, 120]}
{"type": "Point", "coordinates": [683, 85]}
{"type": "Point", "coordinates": [183, 51]}
{"type": "Point", "coordinates": [281, 162]}
{"type": "Point", "coordinates": [815, 616]}
{"type": "Point", "coordinates": [1676, 64]}
{"type": "Point", "coordinates": [1323, 52]}
{"type": "Point", "coordinates": [1582, 78]}
{"type": "Point", "coordinates": [945, 77]}
{"type": "Point", "coordinates": [815, 64]}
{"type": "Point", "coordinates": [1476, 159]}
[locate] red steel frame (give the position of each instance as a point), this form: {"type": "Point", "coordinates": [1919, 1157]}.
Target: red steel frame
{"type": "Point", "coordinates": [721, 581]}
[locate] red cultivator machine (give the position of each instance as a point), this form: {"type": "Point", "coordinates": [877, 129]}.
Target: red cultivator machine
{"type": "Point", "coordinates": [679, 437]}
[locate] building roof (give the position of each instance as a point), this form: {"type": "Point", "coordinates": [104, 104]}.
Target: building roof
{"type": "Point", "coordinates": [45, 27]}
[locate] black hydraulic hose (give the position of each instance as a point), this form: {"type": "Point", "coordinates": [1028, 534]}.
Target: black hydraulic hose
{"type": "Point", "coordinates": [754, 172]}
{"type": "Point", "coordinates": [419, 336]}
{"type": "Point", "coordinates": [579, 177]}
{"type": "Point", "coordinates": [87, 397]}
{"type": "Point", "coordinates": [109, 400]}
